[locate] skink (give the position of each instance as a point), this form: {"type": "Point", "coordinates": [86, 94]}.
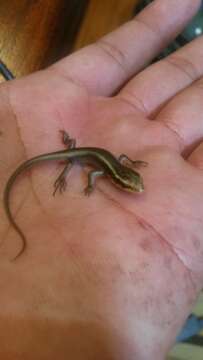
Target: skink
{"type": "Point", "coordinates": [104, 162]}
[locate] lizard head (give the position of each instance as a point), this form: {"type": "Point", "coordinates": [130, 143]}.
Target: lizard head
{"type": "Point", "coordinates": [129, 180]}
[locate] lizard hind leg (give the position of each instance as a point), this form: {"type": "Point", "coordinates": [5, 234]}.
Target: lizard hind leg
{"type": "Point", "coordinates": [61, 183]}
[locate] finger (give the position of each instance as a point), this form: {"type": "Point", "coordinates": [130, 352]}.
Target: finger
{"type": "Point", "coordinates": [153, 87]}
{"type": "Point", "coordinates": [196, 158]}
{"type": "Point", "coordinates": [183, 117]}
{"type": "Point", "coordinates": [106, 65]}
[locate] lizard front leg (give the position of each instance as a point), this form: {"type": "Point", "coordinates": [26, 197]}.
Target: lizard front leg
{"type": "Point", "coordinates": [125, 160]}
{"type": "Point", "coordinates": [61, 183]}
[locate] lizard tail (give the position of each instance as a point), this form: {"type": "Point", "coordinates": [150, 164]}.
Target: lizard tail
{"type": "Point", "coordinates": [24, 166]}
{"type": "Point", "coordinates": [7, 193]}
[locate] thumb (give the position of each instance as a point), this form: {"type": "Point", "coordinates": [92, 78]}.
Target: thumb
{"type": "Point", "coordinates": [196, 157]}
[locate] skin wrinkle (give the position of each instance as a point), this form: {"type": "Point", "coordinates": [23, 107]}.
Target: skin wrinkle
{"type": "Point", "coordinates": [114, 53]}
{"type": "Point", "coordinates": [180, 139]}
{"type": "Point", "coordinates": [146, 226]}
{"type": "Point", "coordinates": [55, 69]}
{"type": "Point", "coordinates": [141, 107]}
{"type": "Point", "coordinates": [183, 65]}
{"type": "Point", "coordinates": [155, 32]}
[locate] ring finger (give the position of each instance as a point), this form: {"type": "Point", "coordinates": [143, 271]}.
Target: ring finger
{"type": "Point", "coordinates": [183, 116]}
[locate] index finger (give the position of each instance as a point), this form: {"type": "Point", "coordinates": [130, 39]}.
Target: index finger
{"type": "Point", "coordinates": [105, 66]}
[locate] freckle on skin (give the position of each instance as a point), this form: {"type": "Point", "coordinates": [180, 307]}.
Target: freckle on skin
{"type": "Point", "coordinates": [1, 132]}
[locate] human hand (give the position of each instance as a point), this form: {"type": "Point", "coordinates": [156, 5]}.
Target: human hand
{"type": "Point", "coordinates": [115, 273]}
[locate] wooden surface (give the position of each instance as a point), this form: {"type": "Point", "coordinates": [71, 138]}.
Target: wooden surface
{"type": "Point", "coordinates": [35, 33]}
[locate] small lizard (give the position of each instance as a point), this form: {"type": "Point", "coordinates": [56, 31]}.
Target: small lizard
{"type": "Point", "coordinates": [105, 163]}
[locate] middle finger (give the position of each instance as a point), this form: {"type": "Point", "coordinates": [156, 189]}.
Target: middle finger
{"type": "Point", "coordinates": [156, 85]}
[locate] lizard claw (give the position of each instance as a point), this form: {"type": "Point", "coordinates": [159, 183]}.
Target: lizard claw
{"type": "Point", "coordinates": [60, 184]}
{"type": "Point", "coordinates": [88, 190]}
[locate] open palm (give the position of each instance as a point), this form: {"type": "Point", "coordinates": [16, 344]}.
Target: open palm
{"type": "Point", "coordinates": [121, 263]}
